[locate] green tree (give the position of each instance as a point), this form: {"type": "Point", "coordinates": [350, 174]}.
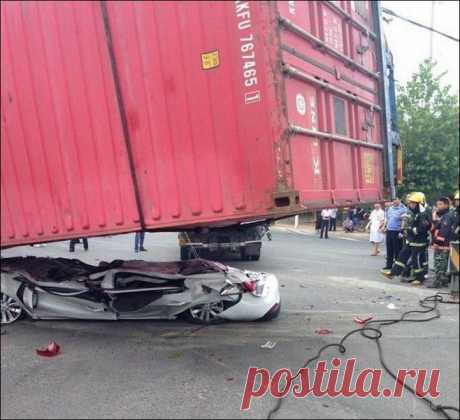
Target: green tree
{"type": "Point", "coordinates": [429, 130]}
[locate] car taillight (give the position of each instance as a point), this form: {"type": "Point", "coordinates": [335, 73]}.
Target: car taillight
{"type": "Point", "coordinates": [250, 286]}
{"type": "Point", "coordinates": [255, 287]}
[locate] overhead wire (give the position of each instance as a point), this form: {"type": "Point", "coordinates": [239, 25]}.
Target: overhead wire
{"type": "Point", "coordinates": [413, 22]}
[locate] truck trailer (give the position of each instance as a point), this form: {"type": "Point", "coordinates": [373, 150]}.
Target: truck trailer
{"type": "Point", "coordinates": [211, 118]}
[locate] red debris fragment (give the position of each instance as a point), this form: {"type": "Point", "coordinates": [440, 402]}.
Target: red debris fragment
{"type": "Point", "coordinates": [324, 331]}
{"type": "Point", "coordinates": [51, 350]}
{"type": "Point", "coordinates": [359, 320]}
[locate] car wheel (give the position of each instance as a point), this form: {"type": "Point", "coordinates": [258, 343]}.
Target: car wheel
{"type": "Point", "coordinates": [206, 313]}
{"type": "Point", "coordinates": [10, 308]}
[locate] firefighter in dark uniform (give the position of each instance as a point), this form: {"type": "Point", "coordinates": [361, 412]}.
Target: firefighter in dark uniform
{"type": "Point", "coordinates": [416, 228]}
{"type": "Point", "coordinates": [456, 215]}
{"type": "Point", "coordinates": [453, 267]}
{"type": "Point", "coordinates": [442, 234]}
{"type": "Point", "coordinates": [406, 275]}
{"type": "Point", "coordinates": [429, 210]}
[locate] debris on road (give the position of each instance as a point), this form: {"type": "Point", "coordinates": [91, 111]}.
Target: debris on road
{"type": "Point", "coordinates": [359, 320]}
{"type": "Point", "coordinates": [323, 331]}
{"type": "Point", "coordinates": [175, 355]}
{"type": "Point", "coordinates": [392, 306]}
{"type": "Point", "coordinates": [268, 345]}
{"type": "Point", "coordinates": [51, 350]}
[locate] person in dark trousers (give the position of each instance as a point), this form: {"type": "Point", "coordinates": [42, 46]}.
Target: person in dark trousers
{"type": "Point", "coordinates": [442, 234]}
{"type": "Point", "coordinates": [333, 223]}
{"type": "Point", "coordinates": [360, 214]}
{"type": "Point", "coordinates": [325, 220]}
{"type": "Point", "coordinates": [268, 232]}
{"type": "Point", "coordinates": [318, 221]}
{"type": "Point", "coordinates": [353, 215]}
{"type": "Point", "coordinates": [75, 241]}
{"type": "Point", "coordinates": [139, 241]}
{"type": "Point", "coordinates": [416, 229]}
{"type": "Point", "coordinates": [393, 236]}
{"type": "Point", "coordinates": [406, 274]}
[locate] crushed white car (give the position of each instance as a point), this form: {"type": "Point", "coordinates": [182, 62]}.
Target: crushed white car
{"type": "Point", "coordinates": [200, 291]}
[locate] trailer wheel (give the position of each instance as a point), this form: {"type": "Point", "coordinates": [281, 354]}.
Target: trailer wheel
{"type": "Point", "coordinates": [246, 256]}
{"type": "Point", "coordinates": [243, 254]}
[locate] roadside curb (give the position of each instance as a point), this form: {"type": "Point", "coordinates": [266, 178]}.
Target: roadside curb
{"type": "Point", "coordinates": [292, 230]}
{"type": "Point", "coordinates": [355, 236]}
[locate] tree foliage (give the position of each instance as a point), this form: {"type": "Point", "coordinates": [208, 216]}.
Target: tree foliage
{"type": "Point", "coordinates": [429, 130]}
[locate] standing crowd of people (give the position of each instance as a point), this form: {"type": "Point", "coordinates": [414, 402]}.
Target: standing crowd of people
{"type": "Point", "coordinates": [409, 231]}
{"type": "Point", "coordinates": [326, 221]}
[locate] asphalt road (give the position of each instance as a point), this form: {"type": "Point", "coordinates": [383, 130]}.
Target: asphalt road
{"type": "Point", "coordinates": [170, 369]}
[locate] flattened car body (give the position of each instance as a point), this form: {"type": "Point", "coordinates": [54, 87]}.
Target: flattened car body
{"type": "Point", "coordinates": [203, 291]}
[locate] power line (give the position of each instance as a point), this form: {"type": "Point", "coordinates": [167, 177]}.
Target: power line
{"type": "Point", "coordinates": [391, 13]}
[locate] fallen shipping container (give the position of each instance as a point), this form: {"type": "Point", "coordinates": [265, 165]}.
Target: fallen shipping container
{"type": "Point", "coordinates": [122, 116]}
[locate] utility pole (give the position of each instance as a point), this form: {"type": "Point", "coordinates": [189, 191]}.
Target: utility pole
{"type": "Point", "coordinates": [432, 25]}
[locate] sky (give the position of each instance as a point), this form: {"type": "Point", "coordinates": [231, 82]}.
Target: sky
{"type": "Point", "coordinates": [411, 45]}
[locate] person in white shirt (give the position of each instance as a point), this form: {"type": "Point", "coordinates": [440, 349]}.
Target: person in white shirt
{"type": "Point", "coordinates": [333, 223]}
{"type": "Point", "coordinates": [325, 220]}
{"type": "Point", "coordinates": [376, 225]}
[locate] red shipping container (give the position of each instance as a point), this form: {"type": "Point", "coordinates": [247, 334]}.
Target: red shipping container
{"type": "Point", "coordinates": [117, 116]}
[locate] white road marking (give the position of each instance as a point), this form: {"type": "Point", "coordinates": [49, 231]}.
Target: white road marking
{"type": "Point", "coordinates": [347, 239]}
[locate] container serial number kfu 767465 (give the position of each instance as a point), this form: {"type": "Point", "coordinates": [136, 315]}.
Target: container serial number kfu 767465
{"type": "Point", "coordinates": [247, 47]}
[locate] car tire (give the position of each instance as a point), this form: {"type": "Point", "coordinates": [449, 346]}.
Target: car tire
{"type": "Point", "coordinates": [191, 314]}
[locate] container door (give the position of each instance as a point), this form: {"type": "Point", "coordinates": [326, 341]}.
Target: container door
{"type": "Point", "coordinates": [333, 103]}
{"type": "Point", "coordinates": [64, 166]}
{"type": "Point", "coordinates": [193, 76]}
